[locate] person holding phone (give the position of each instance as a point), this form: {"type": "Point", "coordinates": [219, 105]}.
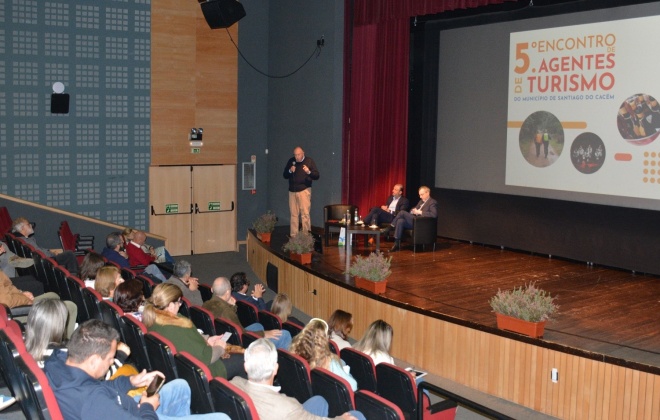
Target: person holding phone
{"type": "Point", "coordinates": [74, 378]}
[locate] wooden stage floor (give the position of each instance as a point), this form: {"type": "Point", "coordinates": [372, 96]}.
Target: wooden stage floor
{"type": "Point", "coordinates": [607, 313]}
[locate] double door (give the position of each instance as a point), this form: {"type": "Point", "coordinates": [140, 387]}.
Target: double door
{"type": "Point", "coordinates": [194, 207]}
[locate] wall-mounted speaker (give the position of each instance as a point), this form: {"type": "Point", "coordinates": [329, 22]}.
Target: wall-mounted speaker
{"type": "Point", "coordinates": [222, 13]}
{"type": "Point", "coordinates": [59, 103]}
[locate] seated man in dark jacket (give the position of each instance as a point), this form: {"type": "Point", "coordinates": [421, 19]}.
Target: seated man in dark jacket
{"type": "Point", "coordinates": [73, 375]}
{"type": "Point", "coordinates": [114, 250]}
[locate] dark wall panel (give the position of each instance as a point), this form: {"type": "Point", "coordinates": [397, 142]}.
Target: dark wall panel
{"type": "Point", "coordinates": [612, 236]}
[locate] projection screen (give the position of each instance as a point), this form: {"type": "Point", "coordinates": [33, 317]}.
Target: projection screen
{"type": "Point", "coordinates": [562, 107]}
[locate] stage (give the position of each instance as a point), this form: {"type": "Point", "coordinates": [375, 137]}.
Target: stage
{"type": "Point", "coordinates": [604, 313]}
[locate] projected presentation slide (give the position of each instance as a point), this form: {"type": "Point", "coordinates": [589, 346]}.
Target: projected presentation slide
{"type": "Point", "coordinates": [583, 112]}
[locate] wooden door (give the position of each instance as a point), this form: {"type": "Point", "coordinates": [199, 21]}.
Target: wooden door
{"type": "Point", "coordinates": [214, 198]}
{"type": "Point", "coordinates": [170, 206]}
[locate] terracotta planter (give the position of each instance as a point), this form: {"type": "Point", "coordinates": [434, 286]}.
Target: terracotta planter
{"type": "Point", "coordinates": [264, 237]}
{"type": "Point", "coordinates": [520, 326]}
{"type": "Point", "coordinates": [301, 258]}
{"type": "Point", "coordinates": [376, 287]}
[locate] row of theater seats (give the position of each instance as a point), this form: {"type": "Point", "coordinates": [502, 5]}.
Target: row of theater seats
{"type": "Point", "coordinates": [398, 397]}
{"type": "Point", "coordinates": [70, 241]}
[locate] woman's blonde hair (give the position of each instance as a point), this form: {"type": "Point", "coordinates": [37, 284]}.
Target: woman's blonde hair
{"type": "Point", "coordinates": [46, 324]}
{"type": "Point", "coordinates": [377, 338]}
{"type": "Point", "coordinates": [128, 233]}
{"type": "Point", "coordinates": [155, 310]}
{"type": "Point", "coordinates": [105, 280]}
{"type": "Point", "coordinates": [282, 306]}
{"type": "Point", "coordinates": [312, 344]}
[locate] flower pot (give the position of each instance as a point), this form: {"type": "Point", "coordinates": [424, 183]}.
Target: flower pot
{"type": "Point", "coordinates": [376, 287]}
{"type": "Point", "coordinates": [264, 237]}
{"type": "Point", "coordinates": [301, 258]}
{"type": "Point", "coordinates": [520, 326]}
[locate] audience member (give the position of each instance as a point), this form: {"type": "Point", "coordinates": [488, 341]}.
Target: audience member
{"type": "Point", "coordinates": [12, 297]}
{"type": "Point", "coordinates": [376, 342]}
{"type": "Point", "coordinates": [282, 307]}
{"type": "Point", "coordinates": [340, 325]}
{"type": "Point", "coordinates": [9, 262]}
{"type": "Point", "coordinates": [182, 278]}
{"type": "Point", "coordinates": [89, 267]}
{"type": "Point", "coordinates": [22, 227]}
{"type": "Point", "coordinates": [138, 258]}
{"type": "Point", "coordinates": [223, 305]}
{"type": "Point", "coordinates": [161, 314]}
{"type": "Point", "coordinates": [45, 332]}
{"type": "Point", "coordinates": [161, 253]}
{"type": "Point", "coordinates": [261, 367]}
{"type": "Point", "coordinates": [45, 329]}
{"type": "Point", "coordinates": [239, 287]}
{"type": "Point", "coordinates": [114, 250]}
{"type": "Point", "coordinates": [312, 344]}
{"type": "Point", "coordinates": [107, 279]}
{"type": "Point", "coordinates": [130, 298]}
{"type": "Point", "coordinates": [80, 395]}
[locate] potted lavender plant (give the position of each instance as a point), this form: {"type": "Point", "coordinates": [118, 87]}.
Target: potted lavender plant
{"type": "Point", "coordinates": [264, 226]}
{"type": "Point", "coordinates": [524, 310]}
{"type": "Point", "coordinates": [300, 247]}
{"type": "Point", "coordinates": [371, 272]}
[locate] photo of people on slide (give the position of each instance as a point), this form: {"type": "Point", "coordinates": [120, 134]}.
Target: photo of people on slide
{"type": "Point", "coordinates": [541, 139]}
{"type": "Point", "coordinates": [588, 153]}
{"type": "Point", "coordinates": [639, 119]}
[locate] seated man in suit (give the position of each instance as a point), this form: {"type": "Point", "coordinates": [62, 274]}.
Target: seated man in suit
{"type": "Point", "coordinates": [427, 207]}
{"type": "Point", "coordinates": [261, 367]}
{"type": "Point", "coordinates": [239, 288]}
{"type": "Point", "coordinates": [393, 205]}
{"type": "Point", "coordinates": [23, 228]}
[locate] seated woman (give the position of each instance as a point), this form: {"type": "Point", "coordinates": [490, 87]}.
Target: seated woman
{"type": "Point", "coordinates": [46, 330]}
{"type": "Point", "coordinates": [312, 345]}
{"type": "Point", "coordinates": [129, 297]}
{"type": "Point", "coordinates": [107, 279]}
{"type": "Point", "coordinates": [340, 325]}
{"type": "Point", "coordinates": [282, 307]}
{"type": "Point", "coordinates": [376, 342]}
{"type": "Point", "coordinates": [89, 267]}
{"type": "Point", "coordinates": [161, 314]}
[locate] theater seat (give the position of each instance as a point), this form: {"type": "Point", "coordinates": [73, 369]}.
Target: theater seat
{"type": "Point", "coordinates": [336, 391]}
{"type": "Point", "coordinates": [293, 376]}
{"type": "Point", "coordinates": [197, 374]}
{"type": "Point", "coordinates": [161, 355]}
{"type": "Point", "coordinates": [232, 400]}
{"type": "Point", "coordinates": [362, 368]}
{"type": "Point", "coordinates": [376, 407]}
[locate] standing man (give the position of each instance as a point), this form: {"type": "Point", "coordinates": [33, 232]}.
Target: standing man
{"type": "Point", "coordinates": [300, 170]}
{"type": "Point", "coordinates": [394, 204]}
{"type": "Point", "coordinates": [427, 207]}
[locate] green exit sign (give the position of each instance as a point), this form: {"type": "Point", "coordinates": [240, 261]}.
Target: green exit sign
{"type": "Point", "coordinates": [195, 150]}
{"type": "Point", "coordinates": [171, 208]}
{"type": "Point", "coordinates": [214, 206]}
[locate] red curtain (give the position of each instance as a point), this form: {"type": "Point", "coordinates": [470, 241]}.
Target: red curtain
{"type": "Point", "coordinates": [376, 62]}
